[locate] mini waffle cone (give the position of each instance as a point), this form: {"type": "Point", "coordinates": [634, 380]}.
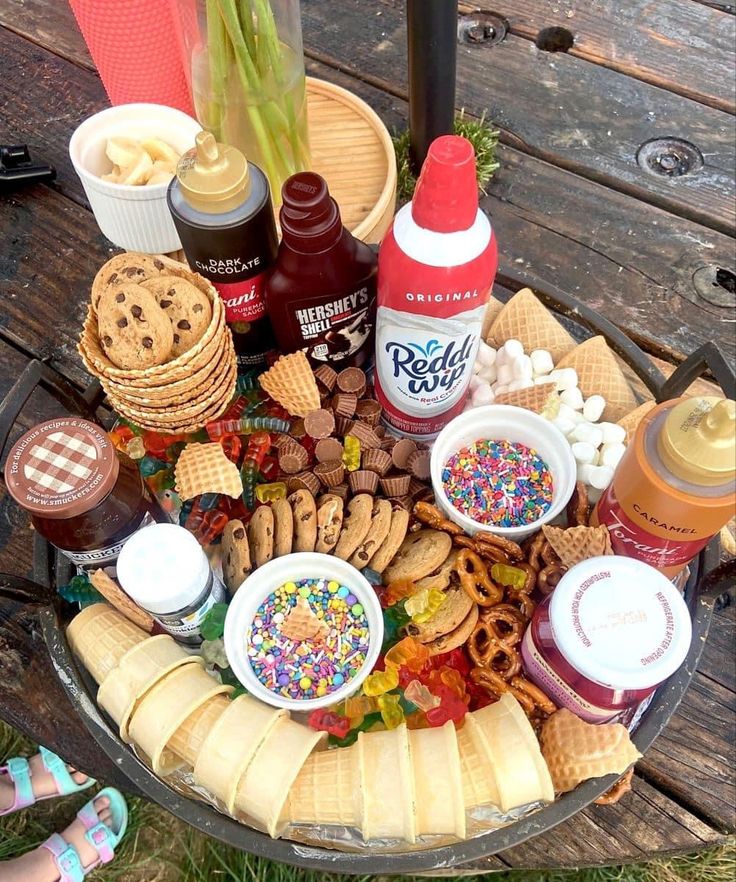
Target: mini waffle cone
{"type": "Point", "coordinates": [100, 636]}
{"type": "Point", "coordinates": [139, 670]}
{"type": "Point", "coordinates": [383, 758]}
{"type": "Point", "coordinates": [204, 468]}
{"type": "Point", "coordinates": [163, 710]}
{"type": "Point", "coordinates": [576, 750]}
{"type": "Point", "coordinates": [231, 745]}
{"type": "Point", "coordinates": [327, 789]}
{"type": "Point", "coordinates": [301, 623]}
{"type": "Point", "coordinates": [263, 790]}
{"type": "Point", "coordinates": [630, 422]}
{"type": "Point", "coordinates": [189, 738]}
{"type": "Point", "coordinates": [440, 806]}
{"type": "Point", "coordinates": [578, 543]}
{"type": "Point", "coordinates": [114, 595]}
{"type": "Point", "coordinates": [493, 310]}
{"type": "Point", "coordinates": [540, 399]}
{"type": "Point", "coordinates": [291, 383]}
{"type": "Point", "coordinates": [524, 318]}
{"type": "Point", "coordinates": [599, 374]}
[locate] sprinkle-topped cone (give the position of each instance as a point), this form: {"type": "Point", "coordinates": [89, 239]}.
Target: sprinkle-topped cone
{"type": "Point", "coordinates": [100, 636]}
{"type": "Point", "coordinates": [327, 789]}
{"type": "Point", "coordinates": [599, 374]}
{"type": "Point", "coordinates": [526, 319]}
{"type": "Point", "coordinates": [440, 807]}
{"type": "Point", "coordinates": [383, 758]}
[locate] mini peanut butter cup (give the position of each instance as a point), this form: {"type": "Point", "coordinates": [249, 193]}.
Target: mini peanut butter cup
{"type": "Point", "coordinates": [303, 481]}
{"type": "Point", "coordinates": [319, 423]}
{"type": "Point", "coordinates": [369, 411]}
{"type": "Point", "coordinates": [326, 377]}
{"type": "Point", "coordinates": [418, 464]}
{"type": "Point", "coordinates": [344, 404]}
{"type": "Point", "coordinates": [330, 473]}
{"type": "Point", "coordinates": [363, 481]}
{"type": "Point", "coordinates": [377, 460]}
{"type": "Point", "coordinates": [341, 490]}
{"type": "Point", "coordinates": [395, 485]}
{"type": "Point", "coordinates": [388, 442]}
{"type": "Point", "coordinates": [353, 380]}
{"type": "Point", "coordinates": [293, 458]}
{"type": "Point", "coordinates": [401, 452]}
{"type": "Point", "coordinates": [343, 425]}
{"type": "Point", "coordinates": [365, 435]}
{"type": "Point", "coordinates": [328, 448]}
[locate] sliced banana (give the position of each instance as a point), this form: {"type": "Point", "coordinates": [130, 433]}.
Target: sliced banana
{"type": "Point", "coordinates": [160, 150]}
{"type": "Point", "coordinates": [122, 152]}
{"type": "Point", "coordinates": [150, 161]}
{"type": "Point", "coordinates": [139, 172]}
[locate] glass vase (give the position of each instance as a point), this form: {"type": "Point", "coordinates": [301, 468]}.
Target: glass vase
{"type": "Point", "coordinates": [246, 67]}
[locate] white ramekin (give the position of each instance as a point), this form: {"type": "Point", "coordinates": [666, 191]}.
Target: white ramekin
{"type": "Point", "coordinates": [132, 217]}
{"type": "Point", "coordinates": [269, 577]}
{"type": "Point", "coordinates": [501, 422]}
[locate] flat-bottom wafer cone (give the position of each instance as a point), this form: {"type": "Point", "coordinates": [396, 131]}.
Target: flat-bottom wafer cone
{"type": "Point", "coordinates": [231, 745]}
{"type": "Point", "coordinates": [578, 543]}
{"type": "Point", "coordinates": [290, 381]}
{"type": "Point", "coordinates": [477, 773]}
{"type": "Point", "coordinates": [189, 738]}
{"type": "Point", "coordinates": [263, 790]}
{"type": "Point", "coordinates": [440, 806]}
{"type": "Point", "coordinates": [576, 750]}
{"type": "Point", "coordinates": [526, 319]}
{"type": "Point", "coordinates": [327, 789]}
{"type": "Point", "coordinates": [100, 636]}
{"type": "Point", "coordinates": [385, 767]}
{"type": "Point", "coordinates": [630, 421]}
{"type": "Point", "coordinates": [599, 374]}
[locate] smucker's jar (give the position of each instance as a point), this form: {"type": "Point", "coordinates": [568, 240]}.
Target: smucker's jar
{"type": "Point", "coordinates": [611, 632]}
{"type": "Point", "coordinates": [83, 495]}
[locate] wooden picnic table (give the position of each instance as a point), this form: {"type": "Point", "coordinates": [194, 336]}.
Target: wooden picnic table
{"type": "Point", "coordinates": [616, 184]}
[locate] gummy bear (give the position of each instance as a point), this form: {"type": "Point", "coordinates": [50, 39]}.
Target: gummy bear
{"type": "Point", "coordinates": [212, 626]}
{"type": "Point", "coordinates": [450, 708]}
{"type": "Point", "coordinates": [80, 590]}
{"type": "Point", "coordinates": [407, 653]}
{"type": "Point", "coordinates": [155, 444]}
{"type": "Point", "coordinates": [452, 679]}
{"type": "Point", "coordinates": [121, 437]}
{"type": "Point", "coordinates": [163, 479]}
{"type": "Point", "coordinates": [205, 524]}
{"type": "Point", "coordinates": [417, 720]}
{"type": "Point", "coordinates": [394, 619]}
{"type": "Point", "coordinates": [357, 707]}
{"type": "Point", "coordinates": [149, 465]}
{"type": "Point", "coordinates": [418, 694]}
{"type": "Point", "coordinates": [391, 712]}
{"type": "Point", "coordinates": [398, 590]}
{"type": "Point", "coordinates": [366, 725]}
{"type": "Point", "coordinates": [135, 448]}
{"type": "Point", "coordinates": [233, 447]}
{"type": "Point", "coordinates": [423, 605]}
{"type": "Point", "coordinates": [269, 492]}
{"type": "Point", "coordinates": [328, 721]}
{"type": "Point", "coordinates": [456, 658]}
{"type": "Point", "coordinates": [351, 453]}
{"type": "Point", "coordinates": [380, 682]}
{"type": "Point", "coordinates": [213, 652]}
{"type": "Point", "coordinates": [509, 576]}
{"type": "Point", "coordinates": [479, 697]}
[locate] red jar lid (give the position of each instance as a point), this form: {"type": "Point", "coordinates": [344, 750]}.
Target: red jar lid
{"type": "Point", "coordinates": [61, 468]}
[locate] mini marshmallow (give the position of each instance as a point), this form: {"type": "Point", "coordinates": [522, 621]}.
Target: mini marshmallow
{"type": "Point", "coordinates": [486, 354]}
{"type": "Point", "coordinates": [543, 381]}
{"type": "Point", "coordinates": [572, 398]}
{"type": "Point", "coordinates": [600, 476]}
{"type": "Point", "coordinates": [584, 453]}
{"type": "Point", "coordinates": [541, 362]}
{"type": "Point", "coordinates": [500, 388]}
{"type": "Point", "coordinates": [612, 433]}
{"type": "Point", "coordinates": [482, 396]}
{"type": "Point", "coordinates": [610, 454]}
{"type": "Point", "coordinates": [515, 385]}
{"type": "Point", "coordinates": [513, 349]}
{"type": "Point", "coordinates": [563, 424]}
{"type": "Point", "coordinates": [566, 378]}
{"type": "Point", "coordinates": [504, 373]}
{"type": "Point", "coordinates": [488, 373]}
{"type": "Point", "coordinates": [585, 431]}
{"type": "Point", "coordinates": [594, 494]}
{"type": "Point", "coordinates": [475, 383]}
{"type": "Point", "coordinates": [585, 472]}
{"type": "Point", "coordinates": [593, 408]}
{"type": "Point", "coordinates": [567, 412]}
{"type": "Point", "coordinates": [522, 368]}
{"type": "Point", "coordinates": [477, 366]}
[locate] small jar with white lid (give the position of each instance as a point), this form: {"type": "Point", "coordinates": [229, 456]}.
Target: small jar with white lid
{"type": "Point", "coordinates": [611, 632]}
{"type": "Point", "coordinates": [166, 572]}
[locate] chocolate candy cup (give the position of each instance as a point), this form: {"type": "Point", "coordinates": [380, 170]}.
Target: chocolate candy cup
{"type": "Point", "coordinates": [367, 437]}
{"type": "Point", "coordinates": [344, 404]}
{"type": "Point", "coordinates": [377, 460]}
{"type": "Point", "coordinates": [303, 481]}
{"type": "Point", "coordinates": [330, 473]}
{"type": "Point", "coordinates": [401, 452]}
{"type": "Point", "coordinates": [293, 458]}
{"type": "Point", "coordinates": [319, 423]}
{"type": "Point", "coordinates": [369, 411]}
{"type": "Point", "coordinates": [352, 380]}
{"type": "Point", "coordinates": [395, 485]}
{"type": "Point", "coordinates": [326, 377]}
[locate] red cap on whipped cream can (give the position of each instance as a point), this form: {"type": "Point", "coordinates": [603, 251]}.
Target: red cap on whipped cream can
{"type": "Point", "coordinates": [611, 632]}
{"type": "Point", "coordinates": [436, 267]}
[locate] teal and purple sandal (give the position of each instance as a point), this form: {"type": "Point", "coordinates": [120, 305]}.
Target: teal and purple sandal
{"type": "Point", "coordinates": [102, 838]}
{"type": "Point", "coordinates": [19, 772]}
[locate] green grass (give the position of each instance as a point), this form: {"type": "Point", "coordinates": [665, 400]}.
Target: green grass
{"type": "Point", "coordinates": [158, 848]}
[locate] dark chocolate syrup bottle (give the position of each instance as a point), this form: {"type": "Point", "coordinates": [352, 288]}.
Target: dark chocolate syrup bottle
{"type": "Point", "coordinates": [321, 293]}
{"type": "Point", "coordinates": [221, 205]}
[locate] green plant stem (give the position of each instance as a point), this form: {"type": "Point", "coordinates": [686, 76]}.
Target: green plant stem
{"type": "Point", "coordinates": [217, 49]}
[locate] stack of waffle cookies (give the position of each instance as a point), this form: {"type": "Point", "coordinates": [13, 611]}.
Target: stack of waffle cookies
{"type": "Point", "coordinates": [156, 339]}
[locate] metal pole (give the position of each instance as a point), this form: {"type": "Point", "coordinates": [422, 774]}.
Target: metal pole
{"type": "Point", "coordinates": [431, 29]}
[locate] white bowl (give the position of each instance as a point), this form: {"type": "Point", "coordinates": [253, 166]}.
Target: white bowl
{"type": "Point", "coordinates": [292, 568]}
{"type": "Point", "coordinates": [136, 218]}
{"type": "Point", "coordinates": [501, 422]}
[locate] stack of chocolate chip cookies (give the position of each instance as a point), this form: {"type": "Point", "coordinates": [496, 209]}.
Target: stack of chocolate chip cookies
{"type": "Point", "coordinates": [155, 337]}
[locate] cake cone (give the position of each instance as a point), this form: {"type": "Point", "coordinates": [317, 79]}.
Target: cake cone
{"type": "Point", "coordinates": [599, 374]}
{"type": "Point", "coordinates": [524, 318]}
{"type": "Point", "coordinates": [290, 381]}
{"type": "Point", "coordinates": [477, 774]}
{"type": "Point", "coordinates": [138, 671]}
{"type": "Point", "coordinates": [263, 790]}
{"type": "Point", "coordinates": [100, 636]}
{"type": "Point", "coordinates": [440, 807]}
{"type": "Point", "coordinates": [327, 789]}
{"type": "Point", "coordinates": [232, 743]}
{"type": "Point", "coordinates": [576, 750]}
{"type": "Point", "coordinates": [163, 710]}
{"type": "Point", "coordinates": [578, 543]}
{"type": "Point", "coordinates": [189, 738]}
{"type": "Point", "coordinates": [387, 785]}
{"type": "Point", "coordinates": [540, 399]}
{"type": "Point", "coordinates": [630, 421]}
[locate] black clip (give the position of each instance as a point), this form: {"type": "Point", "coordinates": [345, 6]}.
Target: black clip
{"type": "Point", "coordinates": [17, 167]}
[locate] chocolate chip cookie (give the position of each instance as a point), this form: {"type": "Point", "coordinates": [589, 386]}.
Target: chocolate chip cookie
{"type": "Point", "coordinates": [356, 525]}
{"type": "Point", "coordinates": [377, 532]}
{"type": "Point", "coordinates": [391, 544]}
{"type": "Point", "coordinates": [188, 309]}
{"type": "Point", "coordinates": [304, 510]}
{"type": "Point", "coordinates": [283, 527]}
{"type": "Point", "coordinates": [134, 331]}
{"type": "Point", "coordinates": [420, 554]}
{"type": "Point", "coordinates": [329, 522]}
{"type": "Point", "coordinates": [236, 564]}
{"type": "Point", "coordinates": [128, 268]}
{"type": "Point", "coordinates": [260, 535]}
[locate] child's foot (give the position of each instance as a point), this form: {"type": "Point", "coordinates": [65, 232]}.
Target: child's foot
{"type": "Point", "coordinates": [42, 781]}
{"type": "Point", "coordinates": [39, 865]}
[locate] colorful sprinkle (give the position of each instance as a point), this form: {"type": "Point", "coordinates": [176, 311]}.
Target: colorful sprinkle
{"type": "Point", "coordinates": [498, 483]}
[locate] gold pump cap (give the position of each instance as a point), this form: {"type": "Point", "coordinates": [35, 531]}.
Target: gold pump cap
{"type": "Point", "coordinates": [213, 177]}
{"type": "Point", "coordinates": [698, 440]}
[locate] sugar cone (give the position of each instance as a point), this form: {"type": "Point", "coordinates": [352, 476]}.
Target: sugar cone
{"type": "Point", "coordinates": [578, 543]}
{"type": "Point", "coordinates": [114, 595]}
{"type": "Point", "coordinates": [524, 318]}
{"type": "Point", "coordinates": [493, 309]}
{"type": "Point", "coordinates": [264, 788]}
{"type": "Point", "coordinates": [290, 381]}
{"type": "Point", "coordinates": [327, 789]}
{"type": "Point", "coordinates": [599, 374]}
{"type": "Point", "coordinates": [387, 785]}
{"type": "Point", "coordinates": [138, 671]}
{"type": "Point", "coordinates": [631, 420]}
{"type": "Point", "coordinates": [163, 710]}
{"type": "Point", "coordinates": [189, 738]}
{"type": "Point", "coordinates": [540, 399]}
{"type": "Point", "coordinates": [100, 636]}
{"type": "Point", "coordinates": [440, 806]}
{"type": "Point", "coordinates": [231, 745]}
{"type": "Point", "coordinates": [204, 468]}
{"type": "Point", "coordinates": [576, 750]}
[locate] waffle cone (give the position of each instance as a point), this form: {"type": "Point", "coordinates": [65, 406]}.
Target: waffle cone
{"type": "Point", "coordinates": [233, 740]}
{"type": "Point", "coordinates": [631, 420]}
{"type": "Point", "coordinates": [540, 399]}
{"type": "Point", "coordinates": [524, 318]}
{"type": "Point", "coordinates": [493, 310]}
{"type": "Point", "coordinates": [263, 789]}
{"type": "Point", "coordinates": [440, 807]}
{"type": "Point", "coordinates": [290, 381]}
{"type": "Point", "coordinates": [599, 374]}
{"type": "Point", "coordinates": [578, 543]}
{"type": "Point", "coordinates": [384, 760]}
{"type": "Point", "coordinates": [204, 468]}
{"type": "Point", "coordinates": [100, 636]}
{"type": "Point", "coordinates": [327, 789]}
{"type": "Point", "coordinates": [189, 738]}
{"type": "Point", "coordinates": [115, 596]}
{"type": "Point", "coordinates": [576, 750]}
{"type": "Point", "coordinates": [301, 623]}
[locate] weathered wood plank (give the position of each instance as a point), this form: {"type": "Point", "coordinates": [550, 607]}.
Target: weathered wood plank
{"type": "Point", "coordinates": [644, 39]}
{"type": "Point", "coordinates": [568, 111]}
{"type": "Point", "coordinates": [50, 24]}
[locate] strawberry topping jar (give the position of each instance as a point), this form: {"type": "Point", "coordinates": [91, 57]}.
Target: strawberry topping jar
{"type": "Point", "coordinates": [611, 632]}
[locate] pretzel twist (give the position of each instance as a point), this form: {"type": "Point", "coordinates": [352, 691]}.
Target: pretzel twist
{"type": "Point", "coordinates": [509, 548]}
{"type": "Point", "coordinates": [496, 686]}
{"type": "Point", "coordinates": [534, 551]}
{"type": "Point", "coordinates": [522, 602]}
{"type": "Point", "coordinates": [578, 508]}
{"type": "Point", "coordinates": [474, 579]}
{"type": "Point", "coordinates": [431, 516]}
{"type": "Point", "coordinates": [549, 577]}
{"type": "Point", "coordinates": [543, 704]}
{"type": "Point", "coordinates": [622, 786]}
